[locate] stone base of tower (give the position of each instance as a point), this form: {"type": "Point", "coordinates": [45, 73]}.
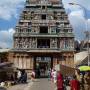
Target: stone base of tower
{"type": "Point", "coordinates": [29, 61]}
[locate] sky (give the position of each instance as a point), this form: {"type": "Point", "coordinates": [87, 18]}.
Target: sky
{"type": "Point", "coordinates": [10, 11]}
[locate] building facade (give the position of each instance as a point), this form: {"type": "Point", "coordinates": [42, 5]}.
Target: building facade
{"type": "Point", "coordinates": [43, 36]}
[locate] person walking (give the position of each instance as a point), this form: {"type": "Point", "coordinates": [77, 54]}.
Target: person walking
{"type": "Point", "coordinates": [2, 86]}
{"type": "Point", "coordinates": [49, 74]}
{"type": "Point", "coordinates": [74, 83]}
{"type": "Point", "coordinates": [87, 80]}
{"type": "Point", "coordinates": [54, 76]}
{"type": "Point", "coordinates": [59, 81]}
{"type": "Point", "coordinates": [19, 76]}
{"type": "Point", "coordinates": [33, 75]}
{"type": "Point", "coordinates": [24, 77]}
{"type": "Point", "coordinates": [80, 78]}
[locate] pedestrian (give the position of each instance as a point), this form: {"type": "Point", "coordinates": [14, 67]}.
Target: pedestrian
{"type": "Point", "coordinates": [66, 83]}
{"type": "Point", "coordinates": [32, 75]}
{"type": "Point", "coordinates": [2, 86]}
{"type": "Point", "coordinates": [24, 77]}
{"type": "Point", "coordinates": [87, 80]}
{"type": "Point", "coordinates": [59, 81]}
{"type": "Point", "coordinates": [54, 76]}
{"type": "Point", "coordinates": [19, 76]}
{"type": "Point", "coordinates": [49, 74]}
{"type": "Point", "coordinates": [80, 78]}
{"type": "Point", "coordinates": [74, 83]}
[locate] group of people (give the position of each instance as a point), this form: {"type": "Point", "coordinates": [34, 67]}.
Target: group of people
{"type": "Point", "coordinates": [21, 76]}
{"type": "Point", "coordinates": [83, 79]}
{"type": "Point", "coordinates": [79, 81]}
{"type": "Point", "coordinates": [57, 78]}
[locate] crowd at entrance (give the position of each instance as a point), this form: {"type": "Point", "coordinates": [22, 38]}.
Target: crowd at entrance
{"type": "Point", "coordinates": [42, 64]}
{"type": "Point", "coordinates": [79, 81]}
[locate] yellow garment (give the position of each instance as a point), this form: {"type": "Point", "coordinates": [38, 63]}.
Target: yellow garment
{"type": "Point", "coordinates": [79, 77]}
{"type": "Point", "coordinates": [87, 79]}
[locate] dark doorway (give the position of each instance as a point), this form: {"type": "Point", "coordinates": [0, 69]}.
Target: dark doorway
{"type": "Point", "coordinates": [43, 7]}
{"type": "Point", "coordinates": [43, 29]}
{"type": "Point", "coordinates": [43, 43]}
{"type": "Point", "coordinates": [43, 16]}
{"type": "Point", "coordinates": [42, 65]}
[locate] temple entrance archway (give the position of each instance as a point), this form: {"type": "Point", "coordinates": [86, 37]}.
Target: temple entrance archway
{"type": "Point", "coordinates": [41, 65]}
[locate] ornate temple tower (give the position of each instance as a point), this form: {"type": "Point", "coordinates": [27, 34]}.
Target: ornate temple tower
{"type": "Point", "coordinates": [43, 36]}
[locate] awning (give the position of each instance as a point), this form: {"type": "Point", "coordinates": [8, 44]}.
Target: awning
{"type": "Point", "coordinates": [5, 64]}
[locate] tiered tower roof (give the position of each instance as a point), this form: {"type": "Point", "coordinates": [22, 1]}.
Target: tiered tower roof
{"type": "Point", "coordinates": [44, 24]}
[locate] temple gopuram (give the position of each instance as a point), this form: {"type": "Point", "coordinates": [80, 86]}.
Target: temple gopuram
{"type": "Point", "coordinates": [43, 36]}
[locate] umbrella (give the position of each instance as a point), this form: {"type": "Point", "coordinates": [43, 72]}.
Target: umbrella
{"type": "Point", "coordinates": [84, 68]}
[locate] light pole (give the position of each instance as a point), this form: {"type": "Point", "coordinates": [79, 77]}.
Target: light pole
{"type": "Point", "coordinates": [86, 32]}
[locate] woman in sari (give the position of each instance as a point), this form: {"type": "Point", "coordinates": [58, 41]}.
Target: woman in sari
{"type": "Point", "coordinates": [59, 81]}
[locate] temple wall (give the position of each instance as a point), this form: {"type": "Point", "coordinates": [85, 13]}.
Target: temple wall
{"type": "Point", "coordinates": [26, 61]}
{"type": "Point", "coordinates": [21, 61]}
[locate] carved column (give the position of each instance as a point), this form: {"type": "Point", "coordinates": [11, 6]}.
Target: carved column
{"type": "Point", "coordinates": [72, 61]}
{"type": "Point", "coordinates": [15, 61]}
{"type": "Point", "coordinates": [31, 62]}
{"type": "Point", "coordinates": [63, 60]}
{"type": "Point", "coordinates": [16, 43]}
{"type": "Point", "coordinates": [20, 62]}
{"type": "Point", "coordinates": [28, 62]}
{"type": "Point", "coordinates": [34, 43]}
{"type": "Point", "coordinates": [67, 60]}
{"type": "Point", "coordinates": [61, 43]}
{"type": "Point", "coordinates": [53, 43]}
{"type": "Point", "coordinates": [54, 61]}
{"type": "Point", "coordinates": [24, 62]}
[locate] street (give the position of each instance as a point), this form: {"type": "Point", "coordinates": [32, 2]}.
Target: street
{"type": "Point", "coordinates": [21, 86]}
{"type": "Point", "coordinates": [38, 84]}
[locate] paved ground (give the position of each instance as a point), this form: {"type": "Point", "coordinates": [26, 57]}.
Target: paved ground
{"type": "Point", "coordinates": [43, 84]}
{"type": "Point", "coordinates": [21, 86]}
{"type": "Point", "coordinates": [39, 84]}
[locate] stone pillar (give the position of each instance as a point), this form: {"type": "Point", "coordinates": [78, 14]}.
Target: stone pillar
{"type": "Point", "coordinates": [28, 62]}
{"type": "Point", "coordinates": [24, 63]}
{"type": "Point", "coordinates": [64, 60]}
{"type": "Point", "coordinates": [31, 62]}
{"type": "Point", "coordinates": [33, 43]}
{"type": "Point", "coordinates": [15, 61]}
{"type": "Point", "coordinates": [61, 43]}
{"type": "Point", "coordinates": [72, 61]}
{"type": "Point", "coordinates": [20, 62]}
{"type": "Point", "coordinates": [60, 59]}
{"type": "Point", "coordinates": [53, 43]}
{"type": "Point", "coordinates": [54, 61]}
{"type": "Point", "coordinates": [67, 61]}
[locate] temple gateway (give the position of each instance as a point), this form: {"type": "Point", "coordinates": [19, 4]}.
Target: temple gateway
{"type": "Point", "coordinates": [43, 36]}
